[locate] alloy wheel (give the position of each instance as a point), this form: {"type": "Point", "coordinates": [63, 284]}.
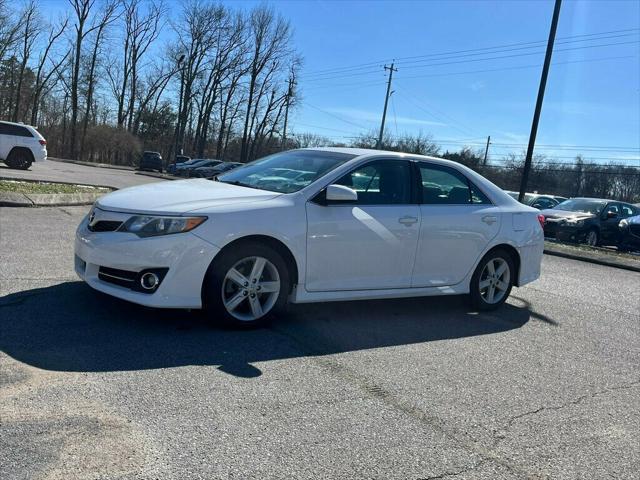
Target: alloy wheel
{"type": "Point", "coordinates": [592, 238]}
{"type": "Point", "coordinates": [495, 280]}
{"type": "Point", "coordinates": [250, 288]}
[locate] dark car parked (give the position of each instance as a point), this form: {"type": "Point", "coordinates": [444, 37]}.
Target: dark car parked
{"type": "Point", "coordinates": [630, 233]}
{"type": "Point", "coordinates": [180, 159]}
{"type": "Point", "coordinates": [151, 161]}
{"type": "Point", "coordinates": [593, 221]}
{"type": "Point", "coordinates": [539, 201]}
{"type": "Point", "coordinates": [210, 172]}
{"type": "Point", "coordinates": [187, 169]}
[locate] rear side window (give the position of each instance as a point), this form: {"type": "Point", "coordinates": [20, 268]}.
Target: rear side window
{"type": "Point", "coordinates": [628, 211]}
{"type": "Point", "coordinates": [17, 130]}
{"type": "Point", "coordinates": [446, 186]}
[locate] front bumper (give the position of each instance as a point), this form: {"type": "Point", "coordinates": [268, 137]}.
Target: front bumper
{"type": "Point", "coordinates": [186, 256]}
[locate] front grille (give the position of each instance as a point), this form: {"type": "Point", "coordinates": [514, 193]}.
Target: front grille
{"type": "Point", "coordinates": [635, 230]}
{"type": "Point", "coordinates": [105, 226]}
{"type": "Point", "coordinates": [123, 278]}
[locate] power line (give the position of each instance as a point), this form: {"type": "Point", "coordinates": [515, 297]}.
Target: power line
{"type": "Point", "coordinates": [369, 67]}
{"type": "Point", "coordinates": [441, 116]}
{"type": "Point", "coordinates": [469, 60]}
{"type": "Point", "coordinates": [516, 67]}
{"type": "Point", "coordinates": [335, 116]}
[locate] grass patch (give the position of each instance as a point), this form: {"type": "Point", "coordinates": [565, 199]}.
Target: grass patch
{"type": "Point", "coordinates": [45, 187]}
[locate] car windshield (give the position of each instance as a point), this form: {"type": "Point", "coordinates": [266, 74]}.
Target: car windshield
{"type": "Point", "coordinates": [581, 205]}
{"type": "Point", "coordinates": [286, 172]}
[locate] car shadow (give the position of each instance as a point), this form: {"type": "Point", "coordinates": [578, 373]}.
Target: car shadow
{"type": "Point", "coordinates": [70, 327]}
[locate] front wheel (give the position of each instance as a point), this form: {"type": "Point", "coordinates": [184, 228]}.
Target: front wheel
{"type": "Point", "coordinates": [246, 286]}
{"type": "Point", "coordinates": [592, 238]}
{"type": "Point", "coordinates": [492, 281]}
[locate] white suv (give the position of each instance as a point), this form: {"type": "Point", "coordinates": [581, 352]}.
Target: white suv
{"type": "Point", "coordinates": [21, 145]}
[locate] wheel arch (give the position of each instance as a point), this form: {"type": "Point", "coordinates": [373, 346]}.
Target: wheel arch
{"type": "Point", "coordinates": [22, 149]}
{"type": "Point", "coordinates": [278, 245]}
{"type": "Point", "coordinates": [515, 256]}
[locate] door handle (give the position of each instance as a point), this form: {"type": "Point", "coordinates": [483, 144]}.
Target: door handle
{"type": "Point", "coordinates": [489, 219]}
{"type": "Point", "coordinates": [408, 220]}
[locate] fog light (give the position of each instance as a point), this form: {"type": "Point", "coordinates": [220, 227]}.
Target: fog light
{"type": "Point", "coordinates": [149, 281]}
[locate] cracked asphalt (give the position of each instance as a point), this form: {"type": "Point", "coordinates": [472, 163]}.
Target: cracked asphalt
{"type": "Point", "coordinates": [94, 388]}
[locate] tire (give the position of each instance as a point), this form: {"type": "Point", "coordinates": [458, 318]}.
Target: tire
{"type": "Point", "coordinates": [592, 238]}
{"type": "Point", "coordinates": [235, 300]}
{"type": "Point", "coordinates": [19, 159]}
{"type": "Point", "coordinates": [489, 292]}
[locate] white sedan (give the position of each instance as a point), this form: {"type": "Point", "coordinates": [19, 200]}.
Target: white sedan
{"type": "Point", "coordinates": [365, 224]}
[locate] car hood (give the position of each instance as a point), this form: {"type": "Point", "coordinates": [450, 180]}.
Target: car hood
{"type": "Point", "coordinates": [180, 196]}
{"type": "Point", "coordinates": [565, 214]}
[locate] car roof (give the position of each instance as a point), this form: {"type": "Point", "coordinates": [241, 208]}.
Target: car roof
{"type": "Point", "coordinates": [597, 199]}
{"type": "Point", "coordinates": [18, 124]}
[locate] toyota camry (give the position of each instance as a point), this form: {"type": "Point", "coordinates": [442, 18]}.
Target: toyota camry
{"type": "Point", "coordinates": [338, 224]}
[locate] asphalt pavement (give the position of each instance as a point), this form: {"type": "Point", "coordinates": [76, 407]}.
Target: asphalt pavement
{"type": "Point", "coordinates": [95, 388]}
{"type": "Point", "coordinates": [54, 171]}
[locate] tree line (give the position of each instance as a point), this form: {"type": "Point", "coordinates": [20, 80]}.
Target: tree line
{"type": "Point", "coordinates": [114, 77]}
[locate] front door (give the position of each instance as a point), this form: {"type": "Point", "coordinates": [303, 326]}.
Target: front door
{"type": "Point", "coordinates": [368, 244]}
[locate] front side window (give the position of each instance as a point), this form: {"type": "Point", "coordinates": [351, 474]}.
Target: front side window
{"type": "Point", "coordinates": [445, 186]}
{"type": "Point", "coordinates": [383, 182]}
{"type": "Point", "coordinates": [286, 172]}
{"type": "Point", "coordinates": [613, 209]}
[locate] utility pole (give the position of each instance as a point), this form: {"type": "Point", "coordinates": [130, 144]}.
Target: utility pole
{"type": "Point", "coordinates": [486, 150]}
{"type": "Point", "coordinates": [386, 102]}
{"type": "Point", "coordinates": [536, 114]}
{"type": "Point", "coordinates": [292, 83]}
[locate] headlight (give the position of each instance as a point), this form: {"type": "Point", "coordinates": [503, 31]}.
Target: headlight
{"type": "Point", "coordinates": [575, 223]}
{"type": "Point", "coordinates": [623, 225]}
{"type": "Point", "coordinates": [149, 226]}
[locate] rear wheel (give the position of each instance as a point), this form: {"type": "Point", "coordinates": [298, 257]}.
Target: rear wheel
{"type": "Point", "coordinates": [492, 281]}
{"type": "Point", "coordinates": [246, 286]}
{"type": "Point", "coordinates": [19, 159]}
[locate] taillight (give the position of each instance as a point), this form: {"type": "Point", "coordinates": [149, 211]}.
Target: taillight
{"type": "Point", "coordinates": [541, 219]}
{"type": "Point", "coordinates": [42, 142]}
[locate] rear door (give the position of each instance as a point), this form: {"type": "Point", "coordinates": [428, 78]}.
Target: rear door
{"type": "Point", "coordinates": [458, 221]}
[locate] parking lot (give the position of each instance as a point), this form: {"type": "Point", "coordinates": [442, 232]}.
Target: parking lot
{"type": "Point", "coordinates": [93, 387]}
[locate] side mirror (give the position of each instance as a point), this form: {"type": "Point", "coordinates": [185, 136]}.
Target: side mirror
{"type": "Point", "coordinates": [537, 205]}
{"type": "Point", "coordinates": [340, 193]}
{"type": "Point", "coordinates": [612, 215]}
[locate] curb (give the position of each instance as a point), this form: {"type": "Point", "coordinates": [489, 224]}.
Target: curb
{"type": "Point", "coordinates": [48, 199]}
{"type": "Point", "coordinates": [597, 261]}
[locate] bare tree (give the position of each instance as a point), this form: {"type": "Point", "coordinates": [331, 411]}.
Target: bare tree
{"type": "Point", "coordinates": [106, 17]}
{"type": "Point", "coordinates": [43, 76]}
{"type": "Point", "coordinates": [32, 27]}
{"type": "Point", "coordinates": [271, 37]}
{"type": "Point", "coordinates": [9, 29]}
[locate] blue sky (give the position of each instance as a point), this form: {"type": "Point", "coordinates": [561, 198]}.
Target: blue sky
{"type": "Point", "coordinates": [594, 102]}
{"type": "Point", "coordinates": [593, 91]}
